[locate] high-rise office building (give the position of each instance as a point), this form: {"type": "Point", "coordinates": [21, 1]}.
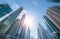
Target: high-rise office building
{"type": "Point", "coordinates": [22, 33]}
{"type": "Point", "coordinates": [4, 27]}
{"type": "Point", "coordinates": [28, 33]}
{"type": "Point", "coordinates": [39, 34]}
{"type": "Point", "coordinates": [13, 30]}
{"type": "Point", "coordinates": [45, 32]}
{"type": "Point", "coordinates": [9, 25]}
{"type": "Point", "coordinates": [52, 21]}
{"type": "Point", "coordinates": [51, 27]}
{"type": "Point", "coordinates": [53, 13]}
{"type": "Point", "coordinates": [4, 9]}
{"type": "Point", "coordinates": [17, 29]}
{"type": "Point", "coordinates": [12, 33]}
{"type": "Point", "coordinates": [22, 30]}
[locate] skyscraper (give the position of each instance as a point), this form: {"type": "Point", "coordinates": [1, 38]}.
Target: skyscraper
{"type": "Point", "coordinates": [22, 30]}
{"type": "Point", "coordinates": [53, 13]}
{"type": "Point", "coordinates": [22, 33]}
{"type": "Point", "coordinates": [10, 26]}
{"type": "Point", "coordinates": [13, 30]}
{"type": "Point", "coordinates": [28, 33]}
{"type": "Point", "coordinates": [10, 20]}
{"type": "Point", "coordinates": [52, 21]}
{"type": "Point", "coordinates": [51, 28]}
{"type": "Point", "coordinates": [39, 34]}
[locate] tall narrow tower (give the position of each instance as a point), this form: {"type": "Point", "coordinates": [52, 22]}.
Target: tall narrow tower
{"type": "Point", "coordinates": [28, 33]}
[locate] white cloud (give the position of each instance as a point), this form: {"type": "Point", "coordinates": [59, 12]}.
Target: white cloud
{"type": "Point", "coordinates": [35, 3]}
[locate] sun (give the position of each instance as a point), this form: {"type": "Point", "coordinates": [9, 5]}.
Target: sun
{"type": "Point", "coordinates": [29, 21]}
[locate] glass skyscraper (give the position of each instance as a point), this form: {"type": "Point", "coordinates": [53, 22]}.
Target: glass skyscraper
{"type": "Point", "coordinates": [53, 13]}
{"type": "Point", "coordinates": [10, 20]}
{"type": "Point", "coordinates": [22, 28]}
{"type": "Point", "coordinates": [52, 21]}
{"type": "Point", "coordinates": [51, 27]}
{"type": "Point", "coordinates": [28, 33]}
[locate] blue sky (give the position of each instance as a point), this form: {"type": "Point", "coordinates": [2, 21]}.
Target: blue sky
{"type": "Point", "coordinates": [33, 7]}
{"type": "Point", "coordinates": [36, 8]}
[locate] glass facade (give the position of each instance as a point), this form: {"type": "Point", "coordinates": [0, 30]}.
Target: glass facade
{"type": "Point", "coordinates": [42, 32]}
{"type": "Point", "coordinates": [51, 28]}
{"type": "Point", "coordinates": [4, 9]}
{"type": "Point", "coordinates": [28, 33]}
{"type": "Point", "coordinates": [53, 14]}
{"type": "Point", "coordinates": [13, 30]}
{"type": "Point", "coordinates": [10, 20]}
{"type": "Point", "coordinates": [22, 34]}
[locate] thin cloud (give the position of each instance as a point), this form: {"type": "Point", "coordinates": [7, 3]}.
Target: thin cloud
{"type": "Point", "coordinates": [35, 3]}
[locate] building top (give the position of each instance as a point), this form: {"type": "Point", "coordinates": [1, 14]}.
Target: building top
{"type": "Point", "coordinates": [4, 9]}
{"type": "Point", "coordinates": [3, 5]}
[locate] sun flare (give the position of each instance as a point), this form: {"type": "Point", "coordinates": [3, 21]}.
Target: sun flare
{"type": "Point", "coordinates": [29, 21]}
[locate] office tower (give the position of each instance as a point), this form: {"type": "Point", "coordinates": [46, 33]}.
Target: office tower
{"type": "Point", "coordinates": [8, 24]}
{"type": "Point", "coordinates": [52, 21]}
{"type": "Point", "coordinates": [22, 30]}
{"type": "Point", "coordinates": [44, 33]}
{"type": "Point", "coordinates": [13, 30]}
{"type": "Point", "coordinates": [22, 33]}
{"type": "Point", "coordinates": [4, 27]}
{"type": "Point", "coordinates": [28, 33]}
{"type": "Point", "coordinates": [51, 27]}
{"type": "Point", "coordinates": [53, 13]}
{"type": "Point", "coordinates": [23, 18]}
{"type": "Point", "coordinates": [39, 34]}
{"type": "Point", "coordinates": [4, 9]}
